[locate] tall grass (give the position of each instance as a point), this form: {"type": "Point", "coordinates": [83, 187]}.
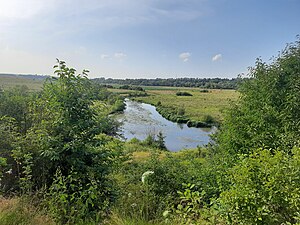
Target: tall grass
{"type": "Point", "coordinates": [16, 211]}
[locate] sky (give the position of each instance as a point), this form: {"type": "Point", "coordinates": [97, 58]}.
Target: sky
{"type": "Point", "coordinates": [144, 38]}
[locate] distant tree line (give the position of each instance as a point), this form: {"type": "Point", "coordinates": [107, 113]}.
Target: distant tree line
{"type": "Point", "coordinates": [210, 83]}
{"type": "Point", "coordinates": [27, 76]}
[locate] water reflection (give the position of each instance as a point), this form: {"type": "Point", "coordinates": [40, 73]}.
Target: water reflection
{"type": "Point", "coordinates": [139, 120]}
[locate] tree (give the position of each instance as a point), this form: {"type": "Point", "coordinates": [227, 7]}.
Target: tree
{"type": "Point", "coordinates": [267, 113]}
{"type": "Point", "coordinates": [161, 141]}
{"type": "Point", "coordinates": [65, 152]}
{"type": "Point", "coordinates": [15, 103]}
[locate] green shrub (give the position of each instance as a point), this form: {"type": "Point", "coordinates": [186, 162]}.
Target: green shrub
{"type": "Point", "coordinates": [73, 200]}
{"type": "Point", "coordinates": [183, 93]}
{"type": "Point", "coordinates": [267, 113]}
{"type": "Point", "coordinates": [118, 106]}
{"type": "Point", "coordinates": [204, 91]}
{"type": "Point", "coordinates": [155, 141]}
{"type": "Point", "coordinates": [209, 119]}
{"type": "Point", "coordinates": [189, 208]}
{"type": "Point", "coordinates": [265, 189]}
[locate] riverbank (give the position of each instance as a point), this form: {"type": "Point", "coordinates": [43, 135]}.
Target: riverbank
{"type": "Point", "coordinates": [200, 109]}
{"type": "Point", "coordinates": [177, 116]}
{"type": "Point", "coordinates": [139, 120]}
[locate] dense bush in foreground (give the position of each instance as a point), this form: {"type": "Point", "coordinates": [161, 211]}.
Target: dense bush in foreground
{"type": "Point", "coordinates": [265, 189]}
{"type": "Point", "coordinates": [60, 150]}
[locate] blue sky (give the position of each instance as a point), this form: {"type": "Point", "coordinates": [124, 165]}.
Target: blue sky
{"type": "Point", "coordinates": [144, 38]}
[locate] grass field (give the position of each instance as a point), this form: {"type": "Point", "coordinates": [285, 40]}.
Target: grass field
{"type": "Point", "coordinates": [7, 81]}
{"type": "Point", "coordinates": [196, 107]}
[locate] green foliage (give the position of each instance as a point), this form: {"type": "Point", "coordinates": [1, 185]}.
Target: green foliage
{"type": "Point", "coordinates": [183, 93]}
{"type": "Point", "coordinates": [137, 94]}
{"type": "Point", "coordinates": [109, 125]}
{"type": "Point", "coordinates": [172, 114]}
{"type": "Point", "coordinates": [9, 138]}
{"type": "Point", "coordinates": [267, 113]}
{"type": "Point", "coordinates": [130, 87]}
{"type": "Point", "coordinates": [199, 124]}
{"type": "Point", "coordinates": [82, 188]}
{"type": "Point", "coordinates": [3, 165]}
{"type": "Point", "coordinates": [170, 171]}
{"type": "Point", "coordinates": [204, 91]}
{"type": "Point", "coordinates": [161, 141]}
{"type": "Point", "coordinates": [56, 143]}
{"type": "Point", "coordinates": [157, 141]}
{"type": "Point", "coordinates": [264, 189]}
{"type": "Point", "coordinates": [190, 205]}
{"type": "Point", "coordinates": [195, 107]}
{"type": "Point", "coordinates": [147, 200]}
{"type": "Point", "coordinates": [24, 166]}
{"type": "Point", "coordinates": [119, 106]}
{"type": "Point", "coordinates": [216, 83]}
{"type": "Point", "coordinates": [72, 199]}
{"type": "Point", "coordinates": [20, 211]}
{"type": "Point", "coordinates": [118, 219]}
{"type": "Point", "coordinates": [15, 103]}
{"type": "Point", "coordinates": [209, 119]}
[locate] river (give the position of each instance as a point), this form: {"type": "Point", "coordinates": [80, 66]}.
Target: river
{"type": "Point", "coordinates": [140, 119]}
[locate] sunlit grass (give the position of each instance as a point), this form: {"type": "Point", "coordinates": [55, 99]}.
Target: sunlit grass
{"type": "Point", "coordinates": [198, 106]}
{"type": "Point", "coordinates": [15, 211]}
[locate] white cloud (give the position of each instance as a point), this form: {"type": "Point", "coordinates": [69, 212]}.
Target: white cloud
{"type": "Point", "coordinates": [102, 13]}
{"type": "Point", "coordinates": [104, 56]}
{"type": "Point", "coordinates": [217, 57]}
{"type": "Point", "coordinates": [185, 56]}
{"type": "Point", "coordinates": [120, 55]}
{"type": "Point", "coordinates": [16, 9]}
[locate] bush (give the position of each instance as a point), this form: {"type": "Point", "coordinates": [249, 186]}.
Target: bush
{"type": "Point", "coordinates": [265, 189]}
{"type": "Point", "coordinates": [209, 119]}
{"type": "Point", "coordinates": [267, 113]}
{"type": "Point", "coordinates": [119, 106]}
{"type": "Point", "coordinates": [204, 91]}
{"type": "Point", "coordinates": [155, 141]}
{"type": "Point", "coordinates": [183, 93]}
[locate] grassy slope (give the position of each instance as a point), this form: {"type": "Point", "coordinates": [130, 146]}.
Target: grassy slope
{"type": "Point", "coordinates": [7, 81]}
{"type": "Point", "coordinates": [196, 106]}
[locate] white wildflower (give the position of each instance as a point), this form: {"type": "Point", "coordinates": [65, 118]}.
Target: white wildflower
{"type": "Point", "coordinates": [133, 205]}
{"type": "Point", "coordinates": [9, 171]}
{"type": "Point", "coordinates": [145, 175]}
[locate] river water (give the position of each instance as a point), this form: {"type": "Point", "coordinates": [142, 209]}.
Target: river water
{"type": "Point", "coordinates": [140, 119]}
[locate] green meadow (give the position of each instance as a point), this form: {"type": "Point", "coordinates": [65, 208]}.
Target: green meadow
{"type": "Point", "coordinates": [197, 106]}
{"type": "Point", "coordinates": [10, 81]}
